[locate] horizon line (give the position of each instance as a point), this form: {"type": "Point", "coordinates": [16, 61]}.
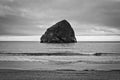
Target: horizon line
{"type": "Point", "coordinates": [79, 38]}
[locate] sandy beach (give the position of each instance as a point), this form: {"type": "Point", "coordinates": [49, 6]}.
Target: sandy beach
{"type": "Point", "coordinates": [17, 70]}
{"type": "Point", "coordinates": [9, 74]}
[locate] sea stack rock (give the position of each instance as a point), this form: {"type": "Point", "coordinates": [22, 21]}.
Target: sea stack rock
{"type": "Point", "coordinates": [61, 32]}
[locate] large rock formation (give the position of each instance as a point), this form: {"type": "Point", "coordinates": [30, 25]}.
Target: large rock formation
{"type": "Point", "coordinates": [61, 32]}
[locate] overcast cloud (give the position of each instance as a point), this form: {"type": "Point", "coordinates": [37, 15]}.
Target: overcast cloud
{"type": "Point", "coordinates": [33, 17]}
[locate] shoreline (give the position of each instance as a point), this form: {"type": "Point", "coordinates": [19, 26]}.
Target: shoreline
{"type": "Point", "coordinates": [58, 65]}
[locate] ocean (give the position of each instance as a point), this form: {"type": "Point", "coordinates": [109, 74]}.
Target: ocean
{"type": "Point", "coordinates": [48, 56]}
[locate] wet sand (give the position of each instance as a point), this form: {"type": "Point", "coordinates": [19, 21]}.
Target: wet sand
{"type": "Point", "coordinates": [10, 74]}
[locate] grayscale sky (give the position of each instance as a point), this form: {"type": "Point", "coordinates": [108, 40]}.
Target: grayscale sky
{"type": "Point", "coordinates": [33, 17]}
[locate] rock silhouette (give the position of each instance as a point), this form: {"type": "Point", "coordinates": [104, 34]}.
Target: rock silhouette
{"type": "Point", "coordinates": [61, 32]}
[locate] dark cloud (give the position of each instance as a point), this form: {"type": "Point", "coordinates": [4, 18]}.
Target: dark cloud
{"type": "Point", "coordinates": [15, 25]}
{"type": "Point", "coordinates": [105, 13]}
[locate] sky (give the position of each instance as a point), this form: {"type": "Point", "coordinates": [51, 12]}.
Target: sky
{"type": "Point", "coordinates": [33, 17]}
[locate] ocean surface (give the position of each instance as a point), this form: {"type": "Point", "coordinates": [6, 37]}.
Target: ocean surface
{"type": "Point", "coordinates": [47, 56]}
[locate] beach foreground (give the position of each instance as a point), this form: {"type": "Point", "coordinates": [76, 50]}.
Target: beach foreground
{"type": "Point", "coordinates": [9, 74]}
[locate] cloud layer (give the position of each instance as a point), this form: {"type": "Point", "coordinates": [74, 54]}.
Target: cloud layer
{"type": "Point", "coordinates": [33, 17]}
